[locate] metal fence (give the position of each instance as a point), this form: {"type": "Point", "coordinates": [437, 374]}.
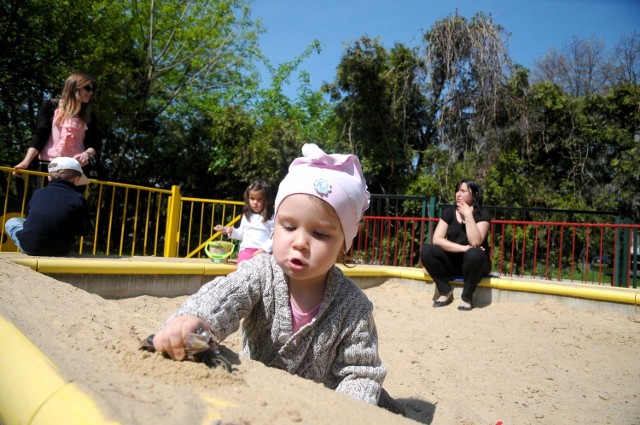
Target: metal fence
{"type": "Point", "coordinates": [128, 220]}
{"type": "Point", "coordinates": [604, 254]}
{"type": "Point", "coordinates": [131, 220]}
{"type": "Point", "coordinates": [427, 206]}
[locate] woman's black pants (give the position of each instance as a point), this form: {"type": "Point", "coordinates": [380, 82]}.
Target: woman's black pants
{"type": "Point", "coordinates": [444, 266]}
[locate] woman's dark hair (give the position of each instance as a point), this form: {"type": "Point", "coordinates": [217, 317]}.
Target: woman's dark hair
{"type": "Point", "coordinates": [260, 186]}
{"type": "Point", "coordinates": [476, 192]}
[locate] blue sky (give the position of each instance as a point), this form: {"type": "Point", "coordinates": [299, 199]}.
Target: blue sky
{"type": "Point", "coordinates": [535, 25]}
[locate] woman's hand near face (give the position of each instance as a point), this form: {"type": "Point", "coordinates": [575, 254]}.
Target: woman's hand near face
{"type": "Point", "coordinates": [465, 210]}
{"type": "Point", "coordinates": [476, 232]}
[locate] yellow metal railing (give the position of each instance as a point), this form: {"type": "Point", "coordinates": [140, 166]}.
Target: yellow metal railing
{"type": "Point", "coordinates": [203, 215]}
{"type": "Point", "coordinates": [128, 220]}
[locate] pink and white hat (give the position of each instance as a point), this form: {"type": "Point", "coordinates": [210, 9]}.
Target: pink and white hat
{"type": "Point", "coordinates": [336, 179]}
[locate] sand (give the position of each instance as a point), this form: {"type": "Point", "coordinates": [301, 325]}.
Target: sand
{"type": "Point", "coordinates": [518, 363]}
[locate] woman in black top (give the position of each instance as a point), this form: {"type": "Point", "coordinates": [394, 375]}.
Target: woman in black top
{"type": "Point", "coordinates": [65, 126]}
{"type": "Point", "coordinates": [460, 246]}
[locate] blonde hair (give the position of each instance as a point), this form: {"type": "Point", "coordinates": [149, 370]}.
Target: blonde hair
{"type": "Point", "coordinates": [70, 103]}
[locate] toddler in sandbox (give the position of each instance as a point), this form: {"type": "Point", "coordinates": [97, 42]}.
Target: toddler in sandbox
{"type": "Point", "coordinates": [298, 311]}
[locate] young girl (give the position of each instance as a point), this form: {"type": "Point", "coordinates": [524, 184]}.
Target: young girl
{"type": "Point", "coordinates": [65, 126]}
{"type": "Point", "coordinates": [256, 226]}
{"type": "Point", "coordinates": [298, 311]}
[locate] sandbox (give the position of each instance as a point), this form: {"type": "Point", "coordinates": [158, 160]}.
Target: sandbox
{"type": "Point", "coordinates": [520, 357]}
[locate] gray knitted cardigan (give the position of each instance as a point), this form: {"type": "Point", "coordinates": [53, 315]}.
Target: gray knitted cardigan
{"type": "Point", "coordinates": [339, 348]}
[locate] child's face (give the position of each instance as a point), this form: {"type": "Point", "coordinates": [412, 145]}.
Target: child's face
{"type": "Point", "coordinates": [307, 238]}
{"type": "Point", "coordinates": [256, 201]}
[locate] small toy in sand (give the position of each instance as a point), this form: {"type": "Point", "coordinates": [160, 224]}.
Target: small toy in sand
{"type": "Point", "coordinates": [200, 347]}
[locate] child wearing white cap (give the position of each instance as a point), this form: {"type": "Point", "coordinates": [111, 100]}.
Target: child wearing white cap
{"type": "Point", "coordinates": [56, 214]}
{"type": "Point", "coordinates": [298, 311]}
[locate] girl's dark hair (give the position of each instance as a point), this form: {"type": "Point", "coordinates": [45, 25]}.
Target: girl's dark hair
{"type": "Point", "coordinates": [260, 186]}
{"type": "Point", "coordinates": [476, 192]}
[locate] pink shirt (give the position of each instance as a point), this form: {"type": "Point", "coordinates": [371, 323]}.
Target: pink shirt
{"type": "Point", "coordinates": [66, 139]}
{"type": "Point", "coordinates": [299, 319]}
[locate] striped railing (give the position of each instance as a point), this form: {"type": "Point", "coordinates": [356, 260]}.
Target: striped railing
{"type": "Point", "coordinates": [574, 252]}
{"type": "Point", "coordinates": [130, 220]}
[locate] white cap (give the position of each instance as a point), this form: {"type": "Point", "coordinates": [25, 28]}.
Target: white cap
{"type": "Point", "coordinates": [65, 163]}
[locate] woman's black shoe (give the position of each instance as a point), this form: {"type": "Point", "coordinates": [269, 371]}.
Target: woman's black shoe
{"type": "Point", "coordinates": [445, 302]}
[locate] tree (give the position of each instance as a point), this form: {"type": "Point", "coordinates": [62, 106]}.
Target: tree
{"type": "Point", "coordinates": [584, 122]}
{"type": "Point", "coordinates": [626, 60]}
{"type": "Point", "coordinates": [189, 58]}
{"type": "Point", "coordinates": [270, 134]}
{"type": "Point", "coordinates": [160, 66]}
{"type": "Point", "coordinates": [380, 111]}
{"type": "Point", "coordinates": [613, 130]}
{"type": "Point", "coordinates": [466, 73]}
{"type": "Point", "coordinates": [579, 68]}
{"type": "Point", "coordinates": [41, 43]}
{"type": "Point", "coordinates": [559, 156]}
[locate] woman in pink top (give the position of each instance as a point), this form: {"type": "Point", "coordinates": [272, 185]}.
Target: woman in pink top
{"type": "Point", "coordinates": [65, 126]}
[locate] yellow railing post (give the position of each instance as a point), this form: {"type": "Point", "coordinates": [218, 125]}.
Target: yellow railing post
{"type": "Point", "coordinates": [171, 237]}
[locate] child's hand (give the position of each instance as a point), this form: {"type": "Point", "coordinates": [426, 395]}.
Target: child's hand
{"type": "Point", "coordinates": [224, 230]}
{"type": "Point", "coordinates": [171, 339]}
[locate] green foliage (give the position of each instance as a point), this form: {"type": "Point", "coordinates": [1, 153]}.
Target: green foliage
{"type": "Point", "coordinates": [284, 124]}
{"type": "Point", "coordinates": [434, 180]}
{"type": "Point", "coordinates": [193, 58]}
{"type": "Point", "coordinates": [580, 144]}
{"type": "Point", "coordinates": [179, 102]}
{"type": "Point", "coordinates": [380, 111]}
{"type": "Point", "coordinates": [42, 43]}
{"type": "Point", "coordinates": [612, 129]}
{"type": "Point", "coordinates": [161, 68]}
{"type": "Point", "coordinates": [507, 183]}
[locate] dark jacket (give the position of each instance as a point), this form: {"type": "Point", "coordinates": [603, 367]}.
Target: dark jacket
{"type": "Point", "coordinates": [56, 214]}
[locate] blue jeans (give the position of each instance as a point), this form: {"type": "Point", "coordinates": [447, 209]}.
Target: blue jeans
{"type": "Point", "coordinates": [13, 226]}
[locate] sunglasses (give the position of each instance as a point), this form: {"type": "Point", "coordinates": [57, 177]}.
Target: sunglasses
{"type": "Point", "coordinates": [88, 88]}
